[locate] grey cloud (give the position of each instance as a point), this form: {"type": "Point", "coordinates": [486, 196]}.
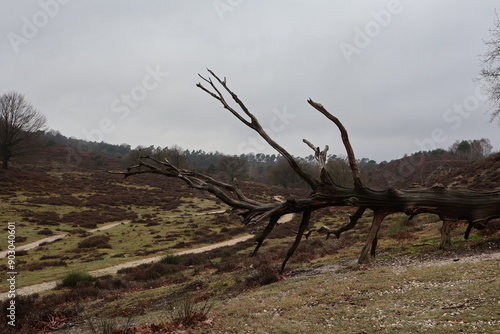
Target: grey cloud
{"type": "Point", "coordinates": [393, 93]}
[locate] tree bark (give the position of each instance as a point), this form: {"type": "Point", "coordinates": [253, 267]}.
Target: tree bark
{"type": "Point", "coordinates": [475, 207]}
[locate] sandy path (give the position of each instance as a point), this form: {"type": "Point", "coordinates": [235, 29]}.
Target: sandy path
{"type": "Point", "coordinates": [37, 288]}
{"type": "Point", "coordinates": [107, 227]}
{"type": "Point", "coordinates": [198, 214]}
{"type": "Point", "coordinates": [53, 238]}
{"type": "Point", "coordinates": [34, 244]}
{"type": "Point", "coordinates": [114, 269]}
{"type": "Point", "coordinates": [28, 290]}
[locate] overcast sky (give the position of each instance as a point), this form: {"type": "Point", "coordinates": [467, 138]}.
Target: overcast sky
{"type": "Point", "coordinates": [398, 74]}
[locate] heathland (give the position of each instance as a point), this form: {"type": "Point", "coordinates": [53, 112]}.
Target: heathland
{"type": "Point", "coordinates": [104, 221]}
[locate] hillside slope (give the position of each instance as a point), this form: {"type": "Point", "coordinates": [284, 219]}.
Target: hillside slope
{"type": "Point", "coordinates": [426, 170]}
{"type": "Point", "coordinates": [322, 291]}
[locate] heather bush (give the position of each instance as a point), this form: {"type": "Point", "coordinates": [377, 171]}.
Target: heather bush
{"type": "Point", "coordinates": [98, 241]}
{"type": "Point", "coordinates": [72, 279]}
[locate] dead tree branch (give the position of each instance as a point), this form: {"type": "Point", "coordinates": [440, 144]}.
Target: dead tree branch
{"type": "Point", "coordinates": [477, 208]}
{"type": "Point", "coordinates": [253, 124]}
{"type": "Point", "coordinates": [345, 139]}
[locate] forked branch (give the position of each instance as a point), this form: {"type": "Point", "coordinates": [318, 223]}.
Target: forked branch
{"type": "Point", "coordinates": [345, 139]}
{"type": "Point", "coordinates": [230, 194]}
{"type": "Point", "coordinates": [253, 124]}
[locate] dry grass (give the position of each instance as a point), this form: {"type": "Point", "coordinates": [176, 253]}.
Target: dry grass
{"type": "Point", "coordinates": [411, 287]}
{"type": "Point", "coordinates": [448, 298]}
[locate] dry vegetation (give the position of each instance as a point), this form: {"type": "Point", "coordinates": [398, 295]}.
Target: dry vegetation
{"type": "Point", "coordinates": [411, 287]}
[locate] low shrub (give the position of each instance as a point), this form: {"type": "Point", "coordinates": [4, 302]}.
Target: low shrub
{"type": "Point", "coordinates": [45, 231]}
{"type": "Point", "coordinates": [98, 241]}
{"type": "Point", "coordinates": [21, 252]}
{"type": "Point", "coordinates": [83, 291]}
{"type": "Point", "coordinates": [72, 280]}
{"type": "Point", "coordinates": [317, 247]}
{"type": "Point", "coordinates": [228, 264]}
{"type": "Point", "coordinates": [491, 228]}
{"type": "Point", "coordinates": [60, 200]}
{"type": "Point", "coordinates": [264, 274]}
{"type": "Point", "coordinates": [194, 260]}
{"type": "Point", "coordinates": [171, 259]}
{"type": "Point", "coordinates": [148, 272]}
{"type": "Point", "coordinates": [39, 265]}
{"type": "Point", "coordinates": [109, 283]}
{"type": "Point", "coordinates": [21, 239]}
{"type": "Point", "coordinates": [26, 312]}
{"type": "Point", "coordinates": [182, 244]}
{"type": "Point", "coordinates": [90, 218]}
{"type": "Point", "coordinates": [43, 217]}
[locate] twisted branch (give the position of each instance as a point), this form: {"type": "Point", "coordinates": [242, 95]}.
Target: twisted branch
{"type": "Point", "coordinates": [345, 140]}
{"type": "Point", "coordinates": [254, 124]}
{"type": "Point", "coordinates": [475, 207]}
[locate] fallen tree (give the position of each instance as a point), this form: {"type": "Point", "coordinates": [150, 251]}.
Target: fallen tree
{"type": "Point", "coordinates": [477, 208]}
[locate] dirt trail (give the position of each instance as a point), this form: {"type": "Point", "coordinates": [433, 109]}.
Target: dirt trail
{"type": "Point", "coordinates": [114, 269]}
{"type": "Point", "coordinates": [37, 288]}
{"type": "Point", "coordinates": [53, 238]}
{"type": "Point", "coordinates": [198, 214]}
{"type": "Point", "coordinates": [37, 243]}
{"type": "Point", "coordinates": [107, 227]}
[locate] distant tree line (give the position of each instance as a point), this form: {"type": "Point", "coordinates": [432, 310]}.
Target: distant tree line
{"type": "Point", "coordinates": [472, 149]}
{"type": "Point", "coordinates": [117, 151]}
{"type": "Point", "coordinates": [466, 149]}
{"type": "Point", "coordinates": [264, 168]}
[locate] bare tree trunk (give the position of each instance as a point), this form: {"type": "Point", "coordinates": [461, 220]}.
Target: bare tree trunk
{"type": "Point", "coordinates": [445, 230]}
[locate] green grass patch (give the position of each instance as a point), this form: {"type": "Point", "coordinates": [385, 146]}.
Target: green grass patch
{"type": "Point", "coordinates": [72, 279]}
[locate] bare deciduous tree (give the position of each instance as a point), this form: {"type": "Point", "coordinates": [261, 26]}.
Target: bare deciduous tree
{"type": "Point", "coordinates": [477, 208]}
{"type": "Point", "coordinates": [175, 154]}
{"type": "Point", "coordinates": [20, 124]}
{"type": "Point", "coordinates": [490, 72]}
{"type": "Point", "coordinates": [232, 167]}
{"type": "Point", "coordinates": [281, 174]}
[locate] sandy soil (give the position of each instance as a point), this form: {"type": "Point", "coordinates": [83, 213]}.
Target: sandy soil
{"type": "Point", "coordinates": [107, 227]}
{"type": "Point", "coordinates": [34, 244]}
{"type": "Point", "coordinates": [37, 288]}
{"type": "Point", "coordinates": [286, 218]}
{"type": "Point", "coordinates": [53, 238]}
